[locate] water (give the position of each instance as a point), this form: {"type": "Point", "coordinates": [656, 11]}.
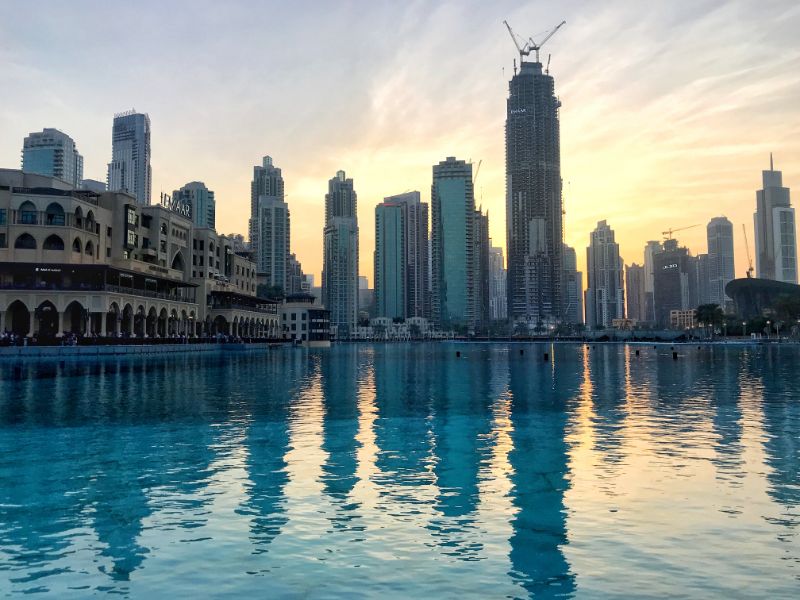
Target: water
{"type": "Point", "coordinates": [403, 471]}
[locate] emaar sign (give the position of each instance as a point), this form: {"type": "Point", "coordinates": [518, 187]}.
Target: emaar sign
{"type": "Point", "coordinates": [177, 206]}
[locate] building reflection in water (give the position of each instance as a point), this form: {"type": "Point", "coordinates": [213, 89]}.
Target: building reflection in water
{"type": "Point", "coordinates": [461, 425]}
{"type": "Point", "coordinates": [541, 398]}
{"type": "Point", "coordinates": [267, 441]}
{"type": "Point", "coordinates": [340, 380]}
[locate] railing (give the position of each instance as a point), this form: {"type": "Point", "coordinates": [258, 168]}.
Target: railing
{"type": "Point", "coordinates": [46, 219]}
{"type": "Point", "coordinates": [273, 310]}
{"type": "Point", "coordinates": [96, 287]}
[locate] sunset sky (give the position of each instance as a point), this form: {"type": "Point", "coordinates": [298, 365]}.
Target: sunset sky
{"type": "Point", "coordinates": [669, 108]}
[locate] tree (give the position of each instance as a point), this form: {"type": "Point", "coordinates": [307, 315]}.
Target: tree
{"type": "Point", "coordinates": [710, 316]}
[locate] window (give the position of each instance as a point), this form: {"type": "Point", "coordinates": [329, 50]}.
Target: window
{"type": "Point", "coordinates": [164, 228]}
{"type": "Point", "coordinates": [27, 214]}
{"type": "Point", "coordinates": [163, 246]}
{"type": "Point", "coordinates": [2, 216]}
{"type": "Point", "coordinates": [108, 252]}
{"type": "Point", "coordinates": [25, 242]}
{"type": "Point", "coordinates": [54, 214]}
{"type": "Point", "coordinates": [133, 239]}
{"type": "Point", "coordinates": [3, 243]}
{"type": "Point", "coordinates": [53, 242]}
{"type": "Point", "coordinates": [108, 231]}
{"type": "Point", "coordinates": [89, 248]}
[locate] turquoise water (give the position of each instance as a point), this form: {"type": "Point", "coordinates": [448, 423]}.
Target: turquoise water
{"type": "Point", "coordinates": [403, 471]}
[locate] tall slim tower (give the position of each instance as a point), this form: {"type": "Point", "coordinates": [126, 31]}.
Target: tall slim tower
{"type": "Point", "coordinates": [533, 197]}
{"type": "Point", "coordinates": [776, 243]}
{"type": "Point", "coordinates": [572, 288]}
{"type": "Point", "coordinates": [340, 259]}
{"type": "Point", "coordinates": [270, 225]}
{"type": "Point", "coordinates": [52, 152]}
{"type": "Point", "coordinates": [129, 169]}
{"type": "Point", "coordinates": [390, 261]}
{"type": "Point", "coordinates": [452, 247]}
{"type": "Point", "coordinates": [720, 260]}
{"type": "Point", "coordinates": [604, 294]}
{"type": "Point", "coordinates": [417, 279]}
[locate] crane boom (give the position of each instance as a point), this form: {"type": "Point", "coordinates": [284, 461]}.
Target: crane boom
{"type": "Point", "coordinates": [668, 233]}
{"type": "Point", "coordinates": [747, 247]}
{"type": "Point", "coordinates": [528, 46]}
{"type": "Point", "coordinates": [536, 47]}
{"type": "Point", "coordinates": [477, 170]}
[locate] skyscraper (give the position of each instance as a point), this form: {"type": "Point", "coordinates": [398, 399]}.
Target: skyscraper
{"type": "Point", "coordinates": [480, 257]}
{"type": "Point", "coordinates": [452, 248]}
{"type": "Point", "coordinates": [415, 233]}
{"type": "Point", "coordinates": [201, 199]}
{"type": "Point", "coordinates": [720, 260]}
{"type": "Point", "coordinates": [650, 250]}
{"type": "Point", "coordinates": [604, 294]}
{"type": "Point", "coordinates": [533, 197]}
{"type": "Point", "coordinates": [776, 244]}
{"type": "Point", "coordinates": [390, 261]}
{"type": "Point", "coordinates": [674, 281]}
{"type": "Point", "coordinates": [635, 294]}
{"type": "Point", "coordinates": [129, 169]}
{"type": "Point", "coordinates": [572, 286]}
{"type": "Point", "coordinates": [340, 260]}
{"type": "Point", "coordinates": [53, 153]}
{"type": "Point", "coordinates": [498, 305]}
{"type": "Point", "coordinates": [270, 226]}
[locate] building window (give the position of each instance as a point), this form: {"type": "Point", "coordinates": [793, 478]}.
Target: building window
{"type": "Point", "coordinates": [25, 242]}
{"type": "Point", "coordinates": [3, 242]}
{"type": "Point", "coordinates": [2, 216]}
{"type": "Point", "coordinates": [108, 231]}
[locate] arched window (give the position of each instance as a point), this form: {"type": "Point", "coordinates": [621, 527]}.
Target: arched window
{"type": "Point", "coordinates": [78, 217]}
{"type": "Point", "coordinates": [54, 214]}
{"type": "Point", "coordinates": [89, 248]}
{"type": "Point", "coordinates": [164, 228]}
{"type": "Point", "coordinates": [53, 242]}
{"type": "Point", "coordinates": [177, 262]}
{"type": "Point", "coordinates": [27, 214]}
{"type": "Point", "coordinates": [211, 246]}
{"type": "Point", "coordinates": [25, 242]}
{"type": "Point", "coordinates": [76, 245]}
{"type": "Point", "coordinates": [90, 221]}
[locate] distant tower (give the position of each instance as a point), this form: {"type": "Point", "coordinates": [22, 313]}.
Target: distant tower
{"type": "Point", "coordinates": [498, 306]}
{"type": "Point", "coordinates": [201, 199]}
{"type": "Point", "coordinates": [604, 294]}
{"type": "Point", "coordinates": [452, 247]}
{"type": "Point", "coordinates": [635, 295]}
{"type": "Point", "coordinates": [270, 227]}
{"type": "Point", "coordinates": [533, 196]}
{"type": "Point", "coordinates": [391, 289]}
{"type": "Point", "coordinates": [340, 255]}
{"type": "Point", "coordinates": [53, 153]}
{"type": "Point", "coordinates": [776, 244]}
{"type": "Point", "coordinates": [129, 169]}
{"type": "Point", "coordinates": [572, 287]}
{"type": "Point", "coordinates": [720, 260]}
{"type": "Point", "coordinates": [650, 251]}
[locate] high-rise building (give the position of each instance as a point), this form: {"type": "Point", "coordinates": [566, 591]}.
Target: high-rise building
{"type": "Point", "coordinates": [720, 260]}
{"type": "Point", "coordinates": [53, 153]}
{"type": "Point", "coordinates": [416, 279]}
{"type": "Point", "coordinates": [674, 282]}
{"type": "Point", "coordinates": [533, 197]}
{"type": "Point", "coordinates": [498, 307]}
{"type": "Point", "coordinates": [776, 241]}
{"type": "Point", "coordinates": [295, 278]}
{"type": "Point", "coordinates": [604, 293]}
{"type": "Point", "coordinates": [201, 199]}
{"type": "Point", "coordinates": [270, 227]}
{"type": "Point", "coordinates": [635, 294]}
{"type": "Point", "coordinates": [572, 287]}
{"type": "Point", "coordinates": [390, 261]}
{"type": "Point", "coordinates": [452, 247]}
{"type": "Point", "coordinates": [340, 260]}
{"type": "Point", "coordinates": [650, 250]}
{"type": "Point", "coordinates": [129, 169]}
{"type": "Point", "coordinates": [480, 256]}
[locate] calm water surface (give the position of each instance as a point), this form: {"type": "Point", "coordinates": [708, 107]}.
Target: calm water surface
{"type": "Point", "coordinates": [403, 471]}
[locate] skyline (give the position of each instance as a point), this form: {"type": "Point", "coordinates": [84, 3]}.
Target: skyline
{"type": "Point", "coordinates": [623, 170]}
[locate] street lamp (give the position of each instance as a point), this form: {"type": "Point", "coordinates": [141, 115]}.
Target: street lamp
{"type": "Point", "coordinates": [769, 327]}
{"type": "Point", "coordinates": [744, 328]}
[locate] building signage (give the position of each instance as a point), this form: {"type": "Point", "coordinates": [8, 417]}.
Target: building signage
{"type": "Point", "coordinates": [672, 266]}
{"type": "Point", "coordinates": [47, 270]}
{"type": "Point", "coordinates": [176, 205]}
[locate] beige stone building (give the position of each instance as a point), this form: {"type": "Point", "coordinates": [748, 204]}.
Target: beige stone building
{"type": "Point", "coordinates": [100, 263]}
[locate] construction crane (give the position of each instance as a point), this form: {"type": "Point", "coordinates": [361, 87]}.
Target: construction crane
{"type": "Point", "coordinates": [477, 170]}
{"type": "Point", "coordinates": [747, 247]}
{"type": "Point", "coordinates": [526, 47]}
{"type": "Point", "coordinates": [668, 233]}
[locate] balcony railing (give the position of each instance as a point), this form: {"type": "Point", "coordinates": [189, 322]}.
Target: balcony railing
{"type": "Point", "coordinates": [97, 287]}
{"type": "Point", "coordinates": [30, 217]}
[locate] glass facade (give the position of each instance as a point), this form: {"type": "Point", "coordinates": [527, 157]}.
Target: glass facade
{"type": "Point", "coordinates": [53, 153]}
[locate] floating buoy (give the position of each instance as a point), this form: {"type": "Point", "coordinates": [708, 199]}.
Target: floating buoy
{"type": "Point", "coordinates": [521, 352]}
{"type": "Point", "coordinates": [458, 354]}
{"type": "Point", "coordinates": [546, 357]}
{"type": "Point", "coordinates": [674, 356]}
{"type": "Point", "coordinates": [637, 353]}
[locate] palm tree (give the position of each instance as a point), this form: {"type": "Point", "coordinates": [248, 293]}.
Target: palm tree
{"type": "Point", "coordinates": [710, 315]}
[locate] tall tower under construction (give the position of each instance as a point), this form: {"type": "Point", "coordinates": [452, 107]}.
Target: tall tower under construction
{"type": "Point", "coordinates": [533, 194]}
